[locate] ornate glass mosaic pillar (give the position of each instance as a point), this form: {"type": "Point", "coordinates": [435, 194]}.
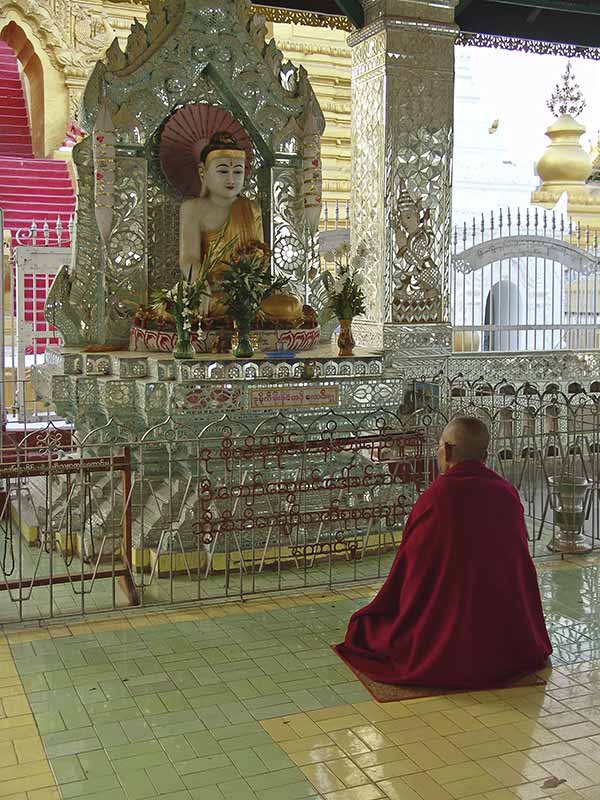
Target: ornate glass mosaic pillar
{"type": "Point", "coordinates": [402, 121]}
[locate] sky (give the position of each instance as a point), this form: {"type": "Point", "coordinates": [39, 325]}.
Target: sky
{"type": "Point", "coordinates": [512, 87]}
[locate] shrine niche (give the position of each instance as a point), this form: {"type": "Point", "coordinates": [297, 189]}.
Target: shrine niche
{"type": "Point", "coordinates": [200, 56]}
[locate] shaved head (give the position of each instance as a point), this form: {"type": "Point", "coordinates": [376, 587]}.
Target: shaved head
{"type": "Point", "coordinates": [463, 439]}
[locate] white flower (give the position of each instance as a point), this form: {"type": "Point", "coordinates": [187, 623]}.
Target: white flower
{"type": "Point", "coordinates": [357, 262]}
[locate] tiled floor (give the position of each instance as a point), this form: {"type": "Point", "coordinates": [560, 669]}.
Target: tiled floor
{"type": "Point", "coordinates": [247, 702]}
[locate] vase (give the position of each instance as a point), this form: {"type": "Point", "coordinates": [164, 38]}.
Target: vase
{"type": "Point", "coordinates": [243, 348]}
{"type": "Point", "coordinates": [184, 347]}
{"type": "Point", "coordinates": [345, 339]}
{"type": "Point", "coordinates": [570, 493]}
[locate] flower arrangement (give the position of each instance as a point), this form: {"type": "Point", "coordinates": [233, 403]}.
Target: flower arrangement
{"type": "Point", "coordinates": [345, 296]}
{"type": "Point", "coordinates": [246, 283]}
{"type": "Point", "coordinates": [185, 303]}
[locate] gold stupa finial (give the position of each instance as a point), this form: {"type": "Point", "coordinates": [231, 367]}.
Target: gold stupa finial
{"type": "Point", "coordinates": [567, 97]}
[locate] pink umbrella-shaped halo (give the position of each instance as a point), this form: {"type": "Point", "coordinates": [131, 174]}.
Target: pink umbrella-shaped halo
{"type": "Point", "coordinates": [186, 134]}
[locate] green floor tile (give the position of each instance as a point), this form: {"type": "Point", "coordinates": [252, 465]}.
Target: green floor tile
{"type": "Point", "coordinates": [273, 757]}
{"type": "Point", "coordinates": [95, 763]}
{"type": "Point", "coordinates": [203, 743]}
{"type": "Point", "coordinates": [177, 748]}
{"type": "Point", "coordinates": [137, 730]}
{"type": "Point", "coordinates": [211, 777]}
{"type": "Point", "coordinates": [303, 790]}
{"type": "Point", "coordinates": [49, 722]}
{"type": "Point", "coordinates": [137, 784]}
{"type": "Point", "coordinates": [236, 790]}
{"type": "Point", "coordinates": [175, 701]}
{"type": "Point", "coordinates": [247, 762]}
{"type": "Point", "coordinates": [66, 769]}
{"type": "Point", "coordinates": [111, 734]}
{"type": "Point", "coordinates": [165, 779]}
{"type": "Point", "coordinates": [100, 785]}
{"type": "Point", "coordinates": [278, 779]}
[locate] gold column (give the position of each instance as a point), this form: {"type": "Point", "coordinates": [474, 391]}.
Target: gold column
{"type": "Point", "coordinates": [402, 123]}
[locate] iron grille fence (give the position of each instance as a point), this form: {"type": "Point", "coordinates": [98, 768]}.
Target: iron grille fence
{"type": "Point", "coordinates": [231, 511]}
{"type": "Point", "coordinates": [525, 281]}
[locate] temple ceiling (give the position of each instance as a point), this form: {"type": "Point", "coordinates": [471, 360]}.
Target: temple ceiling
{"type": "Point", "coordinates": [574, 22]}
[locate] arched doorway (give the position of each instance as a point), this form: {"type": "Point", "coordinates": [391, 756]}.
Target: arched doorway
{"type": "Point", "coordinates": [33, 82]}
{"type": "Point", "coordinates": [502, 309]}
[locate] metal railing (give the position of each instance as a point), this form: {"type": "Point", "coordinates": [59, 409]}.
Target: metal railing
{"type": "Point", "coordinates": [42, 233]}
{"type": "Point", "coordinates": [335, 214]}
{"type": "Point", "coordinates": [170, 516]}
{"type": "Point", "coordinates": [525, 282]}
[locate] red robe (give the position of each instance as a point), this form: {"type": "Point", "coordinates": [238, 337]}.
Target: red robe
{"type": "Point", "coordinates": [460, 607]}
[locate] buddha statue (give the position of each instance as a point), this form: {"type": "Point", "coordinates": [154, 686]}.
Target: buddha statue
{"type": "Point", "coordinates": [220, 214]}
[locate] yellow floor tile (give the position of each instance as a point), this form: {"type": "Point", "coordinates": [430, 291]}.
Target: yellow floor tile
{"type": "Point", "coordinates": [316, 756]}
{"type": "Point", "coordinates": [585, 765]}
{"type": "Point", "coordinates": [550, 752]}
{"type": "Point", "coordinates": [17, 721]}
{"type": "Point", "coordinates": [503, 718]}
{"type": "Point", "coordinates": [302, 725]}
{"type": "Point", "coordinates": [573, 778]}
{"type": "Point", "coordinates": [16, 705]}
{"type": "Point", "coordinates": [48, 793]}
{"type": "Point", "coordinates": [578, 731]}
{"type": "Point", "coordinates": [424, 785]}
{"type": "Point", "coordinates": [26, 784]}
{"type": "Point", "coordinates": [515, 737]}
{"type": "Point", "coordinates": [16, 735]}
{"type": "Point", "coordinates": [528, 769]}
{"type": "Point", "coordinates": [473, 737]}
{"type": "Point", "coordinates": [398, 789]}
{"type": "Point", "coordinates": [497, 747]}
{"type": "Point", "coordinates": [537, 732]}
{"type": "Point", "coordinates": [9, 773]}
{"type": "Point", "coordinates": [372, 736]}
{"type": "Point", "coordinates": [331, 713]}
{"type": "Point", "coordinates": [391, 769]}
{"type": "Point", "coordinates": [457, 772]}
{"type": "Point", "coordinates": [342, 723]}
{"type": "Point", "coordinates": [373, 759]}
{"type": "Point", "coordinates": [427, 705]}
{"type": "Point", "coordinates": [349, 742]}
{"type": "Point", "coordinates": [400, 724]}
{"type": "Point", "coordinates": [322, 778]}
{"type": "Point", "coordinates": [306, 743]}
{"type": "Point", "coordinates": [278, 730]}
{"type": "Point", "coordinates": [448, 752]}
{"type": "Point", "coordinates": [441, 723]}
{"type": "Point", "coordinates": [422, 734]}
{"type": "Point", "coordinates": [501, 771]}
{"type": "Point", "coordinates": [371, 711]}
{"type": "Point", "coordinates": [464, 720]}
{"type": "Point", "coordinates": [358, 793]}
{"type": "Point", "coordinates": [484, 709]}
{"type": "Point", "coordinates": [469, 786]}
{"type": "Point", "coordinates": [29, 748]}
{"type": "Point", "coordinates": [349, 774]}
{"type": "Point", "coordinates": [421, 754]}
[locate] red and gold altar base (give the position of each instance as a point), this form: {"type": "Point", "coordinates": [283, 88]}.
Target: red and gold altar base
{"type": "Point", "coordinates": [163, 341]}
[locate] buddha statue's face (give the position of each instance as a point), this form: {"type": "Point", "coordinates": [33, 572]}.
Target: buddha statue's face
{"type": "Point", "coordinates": [223, 177]}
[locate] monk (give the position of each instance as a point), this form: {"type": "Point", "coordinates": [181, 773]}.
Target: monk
{"type": "Point", "coordinates": [460, 607]}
